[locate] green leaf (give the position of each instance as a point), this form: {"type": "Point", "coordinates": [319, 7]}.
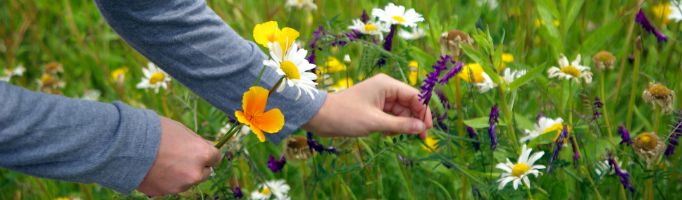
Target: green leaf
{"type": "Point", "coordinates": [526, 78]}
{"type": "Point", "coordinates": [600, 37]}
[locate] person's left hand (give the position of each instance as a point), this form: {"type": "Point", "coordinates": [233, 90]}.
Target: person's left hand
{"type": "Point", "coordinates": [379, 103]}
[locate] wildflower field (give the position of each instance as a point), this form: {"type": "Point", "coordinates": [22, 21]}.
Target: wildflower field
{"type": "Point", "coordinates": [543, 99]}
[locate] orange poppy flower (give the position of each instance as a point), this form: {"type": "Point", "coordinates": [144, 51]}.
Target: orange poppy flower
{"type": "Point", "coordinates": [255, 116]}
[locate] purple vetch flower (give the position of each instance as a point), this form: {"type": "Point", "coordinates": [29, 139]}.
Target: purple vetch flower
{"type": "Point", "coordinates": [624, 135]}
{"type": "Point", "coordinates": [574, 146]}
{"type": "Point", "coordinates": [276, 165]}
{"type": "Point", "coordinates": [622, 174]}
{"type": "Point", "coordinates": [595, 108]}
{"type": "Point", "coordinates": [388, 43]}
{"type": "Point", "coordinates": [558, 144]}
{"type": "Point", "coordinates": [474, 136]}
{"type": "Point", "coordinates": [674, 136]}
{"type": "Point", "coordinates": [492, 121]}
{"type": "Point", "coordinates": [237, 192]}
{"type": "Point", "coordinates": [317, 34]}
{"type": "Point", "coordinates": [443, 99]}
{"type": "Point", "coordinates": [432, 78]}
{"type": "Point", "coordinates": [353, 35]}
{"type": "Point", "coordinates": [646, 24]}
{"type": "Point", "coordinates": [364, 17]}
{"type": "Point", "coordinates": [454, 71]}
{"type": "Point", "coordinates": [316, 146]}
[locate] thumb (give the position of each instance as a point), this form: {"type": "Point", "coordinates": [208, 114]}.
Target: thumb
{"type": "Point", "coordinates": [399, 124]}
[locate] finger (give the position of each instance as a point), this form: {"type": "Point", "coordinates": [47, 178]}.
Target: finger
{"type": "Point", "coordinates": [428, 121]}
{"type": "Point", "coordinates": [397, 124]}
{"type": "Point", "coordinates": [213, 157]}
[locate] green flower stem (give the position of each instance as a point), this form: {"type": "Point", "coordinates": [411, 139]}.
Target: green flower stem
{"type": "Point", "coordinates": [530, 194]}
{"type": "Point", "coordinates": [508, 116]}
{"type": "Point", "coordinates": [274, 87]}
{"type": "Point", "coordinates": [657, 119]}
{"type": "Point", "coordinates": [603, 101]}
{"type": "Point", "coordinates": [227, 136]}
{"type": "Point", "coordinates": [633, 90]}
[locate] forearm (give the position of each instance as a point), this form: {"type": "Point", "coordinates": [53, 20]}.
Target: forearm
{"type": "Point", "coordinates": [190, 42]}
{"type": "Point", "coordinates": [74, 140]}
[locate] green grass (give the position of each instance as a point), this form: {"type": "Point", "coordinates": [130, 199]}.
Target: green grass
{"type": "Point", "coordinates": [74, 34]}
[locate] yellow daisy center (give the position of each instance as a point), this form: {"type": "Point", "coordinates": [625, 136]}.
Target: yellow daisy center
{"type": "Point", "coordinates": [399, 19]}
{"type": "Point", "coordinates": [520, 169]}
{"type": "Point", "coordinates": [290, 70]}
{"type": "Point", "coordinates": [119, 73]}
{"type": "Point", "coordinates": [646, 141]}
{"type": "Point", "coordinates": [571, 70]}
{"type": "Point", "coordinates": [555, 127]}
{"type": "Point", "coordinates": [156, 77]}
{"type": "Point", "coordinates": [369, 27]}
{"type": "Point", "coordinates": [265, 191]}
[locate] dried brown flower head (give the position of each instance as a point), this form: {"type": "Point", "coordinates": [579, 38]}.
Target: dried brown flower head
{"type": "Point", "coordinates": [659, 95]}
{"type": "Point", "coordinates": [604, 60]}
{"type": "Point", "coordinates": [297, 148]}
{"type": "Point", "coordinates": [648, 146]}
{"type": "Point", "coordinates": [451, 41]}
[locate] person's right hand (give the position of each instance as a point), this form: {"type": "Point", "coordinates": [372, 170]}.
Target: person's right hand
{"type": "Point", "coordinates": [184, 159]}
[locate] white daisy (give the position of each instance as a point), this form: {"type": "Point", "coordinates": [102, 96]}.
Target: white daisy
{"type": "Point", "coordinates": [676, 14]}
{"type": "Point", "coordinates": [17, 71]}
{"type": "Point", "coordinates": [571, 70]}
{"type": "Point", "coordinates": [393, 14]}
{"type": "Point", "coordinates": [91, 95]}
{"type": "Point", "coordinates": [277, 189]}
{"type": "Point", "coordinates": [544, 125]}
{"type": "Point", "coordinates": [492, 4]}
{"type": "Point", "coordinates": [604, 168]}
{"type": "Point", "coordinates": [486, 85]}
{"type": "Point", "coordinates": [520, 171]}
{"type": "Point", "coordinates": [369, 28]}
{"type": "Point", "coordinates": [473, 73]}
{"type": "Point", "coordinates": [413, 34]}
{"type": "Point", "coordinates": [509, 76]}
{"type": "Point", "coordinates": [302, 4]}
{"type": "Point", "coordinates": [154, 78]}
{"type": "Point", "coordinates": [295, 69]}
{"type": "Point", "coordinates": [346, 59]}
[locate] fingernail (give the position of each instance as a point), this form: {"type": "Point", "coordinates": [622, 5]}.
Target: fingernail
{"type": "Point", "coordinates": [418, 126]}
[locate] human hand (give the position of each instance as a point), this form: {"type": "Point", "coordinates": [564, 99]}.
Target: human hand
{"type": "Point", "coordinates": [184, 159]}
{"type": "Point", "coordinates": [379, 103]}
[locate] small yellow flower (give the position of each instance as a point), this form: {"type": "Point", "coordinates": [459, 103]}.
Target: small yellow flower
{"type": "Point", "coordinates": [648, 147]}
{"type": "Point", "coordinates": [255, 116]}
{"type": "Point", "coordinates": [506, 59]}
{"type": "Point", "coordinates": [540, 22]}
{"type": "Point", "coordinates": [118, 75]}
{"type": "Point", "coordinates": [414, 72]}
{"type": "Point", "coordinates": [431, 144]}
{"type": "Point", "coordinates": [662, 11]}
{"type": "Point", "coordinates": [473, 73]}
{"type": "Point", "coordinates": [269, 32]}
{"type": "Point", "coordinates": [334, 65]}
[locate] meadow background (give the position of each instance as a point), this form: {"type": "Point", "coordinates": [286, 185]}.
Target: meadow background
{"type": "Point", "coordinates": [37, 34]}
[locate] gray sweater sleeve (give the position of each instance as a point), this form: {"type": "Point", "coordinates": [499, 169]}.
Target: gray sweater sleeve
{"type": "Point", "coordinates": [190, 42]}
{"type": "Point", "coordinates": [75, 140]}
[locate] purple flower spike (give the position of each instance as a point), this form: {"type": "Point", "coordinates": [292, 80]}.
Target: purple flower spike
{"type": "Point", "coordinates": [558, 144]}
{"type": "Point", "coordinates": [624, 135]}
{"type": "Point", "coordinates": [492, 121]}
{"type": "Point", "coordinates": [574, 146]}
{"type": "Point", "coordinates": [454, 71]}
{"type": "Point", "coordinates": [313, 44]}
{"type": "Point", "coordinates": [595, 109]}
{"type": "Point", "coordinates": [622, 174]}
{"type": "Point", "coordinates": [237, 192]}
{"type": "Point", "coordinates": [675, 135]}
{"type": "Point", "coordinates": [316, 146]}
{"type": "Point", "coordinates": [388, 43]}
{"type": "Point", "coordinates": [276, 165]}
{"type": "Point", "coordinates": [473, 136]}
{"type": "Point", "coordinates": [432, 78]}
{"type": "Point", "coordinates": [364, 17]}
{"type": "Point", "coordinates": [646, 24]}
